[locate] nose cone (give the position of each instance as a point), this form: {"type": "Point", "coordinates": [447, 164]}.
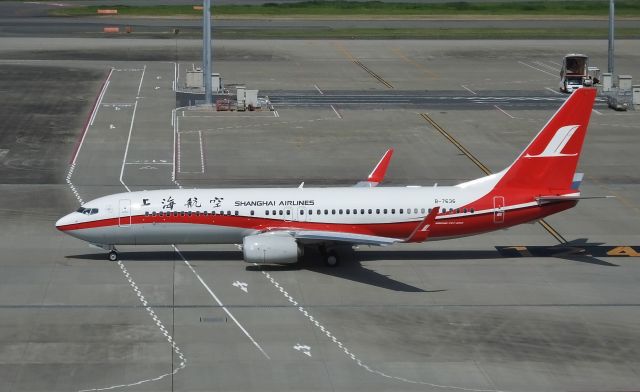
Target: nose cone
{"type": "Point", "coordinates": [64, 221]}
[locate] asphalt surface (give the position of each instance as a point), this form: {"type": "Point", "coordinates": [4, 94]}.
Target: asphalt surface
{"type": "Point", "coordinates": [509, 311]}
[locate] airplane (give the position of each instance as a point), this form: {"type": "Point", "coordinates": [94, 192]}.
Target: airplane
{"type": "Point", "coordinates": [274, 225]}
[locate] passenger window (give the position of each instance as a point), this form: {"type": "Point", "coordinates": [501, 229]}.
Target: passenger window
{"type": "Point", "coordinates": [340, 211]}
{"type": "Point", "coordinates": [266, 212]}
{"type": "Point", "coordinates": [301, 212]}
{"type": "Point", "coordinates": [362, 211]}
{"type": "Point", "coordinates": [310, 212]}
{"type": "Point", "coordinates": [393, 210]}
{"type": "Point", "coordinates": [355, 211]}
{"type": "Point", "coordinates": [237, 213]}
{"type": "Point", "coordinates": [189, 213]}
{"type": "Point", "coordinates": [333, 212]}
{"type": "Point", "coordinates": [457, 210]}
{"type": "Point", "coordinates": [415, 210]}
{"type": "Point", "coordinates": [347, 211]}
{"type": "Point", "coordinates": [465, 210]}
{"type": "Point", "coordinates": [401, 211]}
{"type": "Point", "coordinates": [326, 212]}
{"type": "Point", "coordinates": [472, 211]}
{"type": "Point", "coordinates": [281, 212]}
{"type": "Point", "coordinates": [377, 210]}
{"type": "Point", "coordinates": [384, 211]}
{"type": "Point", "coordinates": [251, 212]}
{"type": "Point", "coordinates": [154, 213]}
{"type": "Point", "coordinates": [319, 212]}
{"type": "Point", "coordinates": [274, 212]}
{"type": "Point", "coordinates": [370, 211]}
{"type": "Point", "coordinates": [288, 212]}
{"type": "Point", "coordinates": [422, 210]}
{"type": "Point", "coordinates": [146, 213]}
{"type": "Point", "coordinates": [429, 210]}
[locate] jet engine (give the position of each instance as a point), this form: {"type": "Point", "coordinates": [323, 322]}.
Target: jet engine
{"type": "Point", "coordinates": [271, 249]}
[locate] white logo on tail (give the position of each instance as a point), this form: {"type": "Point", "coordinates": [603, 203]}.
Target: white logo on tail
{"type": "Point", "coordinates": [557, 143]}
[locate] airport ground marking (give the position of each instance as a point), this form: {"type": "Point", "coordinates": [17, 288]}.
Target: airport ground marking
{"type": "Point", "coordinates": [537, 69]}
{"type": "Point", "coordinates": [222, 306]}
{"type": "Point", "coordinates": [553, 91]}
{"type": "Point", "coordinates": [318, 88]}
{"type": "Point", "coordinates": [336, 112]}
{"type": "Point", "coordinates": [202, 165]}
{"type": "Point", "coordinates": [468, 89]}
{"type": "Point", "coordinates": [241, 285]}
{"type": "Point", "coordinates": [126, 150]}
{"type": "Point", "coordinates": [504, 112]}
{"type": "Point", "coordinates": [352, 355]}
{"type": "Point", "coordinates": [144, 69]}
{"type": "Point", "coordinates": [485, 169]}
{"type": "Point", "coordinates": [163, 330]}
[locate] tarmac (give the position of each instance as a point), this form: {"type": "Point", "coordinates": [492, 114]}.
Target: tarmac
{"type": "Point", "coordinates": [511, 310]}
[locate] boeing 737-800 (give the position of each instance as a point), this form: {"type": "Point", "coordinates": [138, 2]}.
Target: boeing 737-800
{"type": "Point", "coordinates": [275, 224]}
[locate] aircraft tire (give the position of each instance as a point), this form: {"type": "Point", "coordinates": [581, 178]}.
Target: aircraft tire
{"type": "Point", "coordinates": [113, 255]}
{"type": "Point", "coordinates": [331, 259]}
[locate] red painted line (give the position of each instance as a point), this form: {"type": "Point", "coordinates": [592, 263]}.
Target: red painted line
{"type": "Point", "coordinates": [85, 128]}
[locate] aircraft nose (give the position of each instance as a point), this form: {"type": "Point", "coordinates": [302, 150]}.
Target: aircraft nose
{"type": "Point", "coordinates": [64, 221]}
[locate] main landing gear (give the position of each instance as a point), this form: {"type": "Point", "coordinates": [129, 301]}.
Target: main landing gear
{"type": "Point", "coordinates": [330, 256]}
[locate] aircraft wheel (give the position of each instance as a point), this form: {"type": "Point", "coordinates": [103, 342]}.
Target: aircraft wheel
{"type": "Point", "coordinates": [332, 259]}
{"type": "Point", "coordinates": [113, 255]}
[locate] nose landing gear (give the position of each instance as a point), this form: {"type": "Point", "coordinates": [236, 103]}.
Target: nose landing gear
{"type": "Point", "coordinates": [113, 255]}
{"type": "Point", "coordinates": [330, 256]}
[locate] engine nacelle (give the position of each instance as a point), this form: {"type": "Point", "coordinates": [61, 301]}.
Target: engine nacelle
{"type": "Point", "coordinates": [271, 249]}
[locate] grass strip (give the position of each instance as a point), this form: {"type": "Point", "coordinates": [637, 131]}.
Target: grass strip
{"type": "Point", "coordinates": [378, 8]}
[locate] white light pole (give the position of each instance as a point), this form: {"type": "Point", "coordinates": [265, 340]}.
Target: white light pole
{"type": "Point", "coordinates": [206, 50]}
{"type": "Point", "coordinates": [611, 35]}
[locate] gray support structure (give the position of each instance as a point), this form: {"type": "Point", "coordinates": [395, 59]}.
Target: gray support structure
{"type": "Point", "coordinates": [206, 50]}
{"type": "Point", "coordinates": [611, 35]}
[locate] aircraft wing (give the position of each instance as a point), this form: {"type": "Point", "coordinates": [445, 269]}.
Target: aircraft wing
{"type": "Point", "coordinates": [377, 174]}
{"type": "Point", "coordinates": [311, 236]}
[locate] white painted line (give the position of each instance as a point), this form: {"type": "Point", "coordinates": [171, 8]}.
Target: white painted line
{"type": "Point", "coordinates": [496, 106]}
{"type": "Point", "coordinates": [201, 152]}
{"type": "Point", "coordinates": [126, 150]}
{"type": "Point", "coordinates": [553, 91]}
{"type": "Point", "coordinates": [276, 114]}
{"type": "Point", "coordinates": [178, 158]}
{"type": "Point", "coordinates": [468, 89]}
{"type": "Point", "coordinates": [553, 62]}
{"type": "Point", "coordinates": [538, 69]}
{"type": "Point", "coordinates": [597, 112]}
{"type": "Point", "coordinates": [141, 78]}
{"type": "Point", "coordinates": [336, 112]}
{"type": "Point", "coordinates": [148, 163]}
{"type": "Point", "coordinates": [352, 356]}
{"type": "Point", "coordinates": [161, 327]}
{"type": "Point", "coordinates": [547, 66]}
{"type": "Point", "coordinates": [318, 88]}
{"type": "Point", "coordinates": [99, 103]}
{"type": "Point", "coordinates": [231, 316]}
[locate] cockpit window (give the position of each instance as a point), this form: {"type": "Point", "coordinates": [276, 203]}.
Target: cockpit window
{"type": "Point", "coordinates": [87, 211]}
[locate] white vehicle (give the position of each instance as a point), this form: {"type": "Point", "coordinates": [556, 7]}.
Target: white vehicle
{"type": "Point", "coordinates": [275, 224]}
{"type": "Point", "coordinates": [574, 73]}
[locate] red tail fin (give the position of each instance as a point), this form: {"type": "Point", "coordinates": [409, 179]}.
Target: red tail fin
{"type": "Point", "coordinates": [550, 160]}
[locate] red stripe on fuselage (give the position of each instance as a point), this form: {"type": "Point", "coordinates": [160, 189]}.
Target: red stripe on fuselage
{"type": "Point", "coordinates": [444, 227]}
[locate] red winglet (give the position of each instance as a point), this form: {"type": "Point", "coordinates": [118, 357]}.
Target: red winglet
{"type": "Point", "coordinates": [377, 175]}
{"type": "Point", "coordinates": [422, 231]}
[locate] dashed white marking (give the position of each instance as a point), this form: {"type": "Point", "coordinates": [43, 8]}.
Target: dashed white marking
{"type": "Point", "coordinates": [358, 361]}
{"type": "Point", "coordinates": [303, 348]}
{"type": "Point", "coordinates": [163, 330]}
{"type": "Point", "coordinates": [318, 88]}
{"type": "Point", "coordinates": [597, 112]}
{"type": "Point", "coordinates": [201, 152]}
{"type": "Point", "coordinates": [468, 89]}
{"type": "Point", "coordinates": [241, 285]}
{"type": "Point", "coordinates": [336, 112]}
{"type": "Point", "coordinates": [99, 102]}
{"type": "Point", "coordinates": [111, 126]}
{"type": "Point", "coordinates": [231, 316]}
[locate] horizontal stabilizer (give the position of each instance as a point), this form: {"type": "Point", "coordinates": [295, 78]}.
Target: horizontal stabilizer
{"type": "Point", "coordinates": [553, 198]}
